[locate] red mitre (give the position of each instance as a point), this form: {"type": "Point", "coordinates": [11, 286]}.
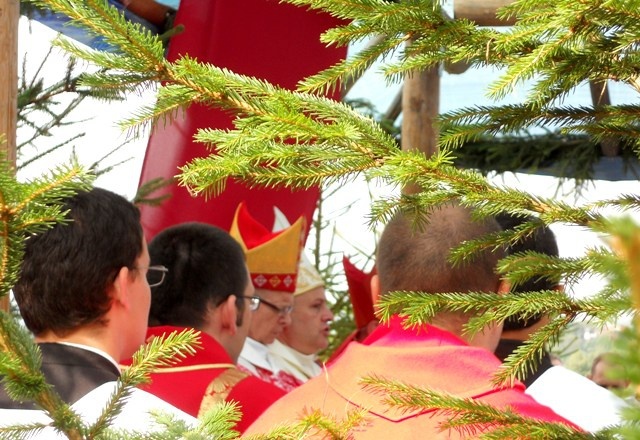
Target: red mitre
{"type": "Point", "coordinates": [359, 284]}
{"type": "Point", "coordinates": [272, 257]}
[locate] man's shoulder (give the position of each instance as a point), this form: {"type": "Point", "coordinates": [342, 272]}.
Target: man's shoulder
{"type": "Point", "coordinates": [577, 398]}
{"type": "Point", "coordinates": [73, 371]}
{"type": "Point", "coordinates": [136, 414]}
{"type": "Point", "coordinates": [249, 385]}
{"type": "Point", "coordinates": [442, 363]}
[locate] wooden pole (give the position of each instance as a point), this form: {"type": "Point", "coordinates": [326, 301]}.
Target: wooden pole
{"type": "Point", "coordinates": [420, 106]}
{"type": "Point", "coordinates": [421, 90]}
{"type": "Point", "coordinates": [610, 147]}
{"type": "Point", "coordinates": [9, 18]}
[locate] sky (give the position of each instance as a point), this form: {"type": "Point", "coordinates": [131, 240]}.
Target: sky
{"type": "Point", "coordinates": [352, 236]}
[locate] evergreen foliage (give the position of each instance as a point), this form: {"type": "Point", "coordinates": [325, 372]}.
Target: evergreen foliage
{"type": "Point", "coordinates": [298, 138]}
{"type": "Point", "coordinates": [47, 105]}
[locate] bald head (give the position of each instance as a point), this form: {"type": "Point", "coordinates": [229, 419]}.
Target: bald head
{"type": "Point", "coordinates": [413, 259]}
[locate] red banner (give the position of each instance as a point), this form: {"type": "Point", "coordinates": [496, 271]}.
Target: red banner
{"type": "Point", "coordinates": [262, 38]}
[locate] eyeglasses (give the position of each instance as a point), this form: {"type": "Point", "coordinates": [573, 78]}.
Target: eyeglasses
{"type": "Point", "coordinates": [155, 275]}
{"type": "Point", "coordinates": [254, 303]}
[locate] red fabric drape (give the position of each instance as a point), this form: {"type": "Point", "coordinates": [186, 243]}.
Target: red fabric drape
{"type": "Point", "coordinates": [261, 38]}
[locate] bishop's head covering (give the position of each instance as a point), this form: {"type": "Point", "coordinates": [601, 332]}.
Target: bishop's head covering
{"type": "Point", "coordinates": [272, 257]}
{"type": "Point", "coordinates": [308, 276]}
{"type": "Point", "coordinates": [359, 283]}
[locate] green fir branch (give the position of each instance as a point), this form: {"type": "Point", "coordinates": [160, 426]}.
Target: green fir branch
{"type": "Point", "coordinates": [468, 417]}
{"type": "Point", "coordinates": [160, 352]}
{"type": "Point", "coordinates": [351, 68]}
{"type": "Point", "coordinates": [526, 358]}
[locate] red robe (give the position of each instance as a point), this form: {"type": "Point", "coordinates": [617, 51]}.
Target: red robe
{"type": "Point", "coordinates": [210, 371]}
{"type": "Point", "coordinates": [431, 358]}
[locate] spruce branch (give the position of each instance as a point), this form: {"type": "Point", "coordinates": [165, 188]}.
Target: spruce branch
{"type": "Point", "coordinates": [467, 416]}
{"type": "Point", "coordinates": [352, 68]}
{"type": "Point", "coordinates": [314, 424]}
{"type": "Point", "coordinates": [219, 422]}
{"type": "Point", "coordinates": [158, 352]}
{"type": "Point", "coordinates": [21, 376]}
{"type": "Point", "coordinates": [101, 19]}
{"type": "Point", "coordinates": [300, 139]}
{"type": "Point", "coordinates": [527, 357]}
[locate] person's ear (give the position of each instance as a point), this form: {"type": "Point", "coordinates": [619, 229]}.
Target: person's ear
{"type": "Point", "coordinates": [504, 287]}
{"type": "Point", "coordinates": [229, 314]}
{"type": "Point", "coordinates": [120, 287]}
{"type": "Point", "coordinates": [375, 288]}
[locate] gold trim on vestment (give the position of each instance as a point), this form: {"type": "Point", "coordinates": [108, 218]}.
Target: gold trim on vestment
{"type": "Point", "coordinates": [192, 368]}
{"type": "Point", "coordinates": [219, 389]}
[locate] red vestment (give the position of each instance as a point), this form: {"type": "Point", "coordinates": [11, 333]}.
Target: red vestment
{"type": "Point", "coordinates": [210, 371]}
{"type": "Point", "coordinates": [430, 358]}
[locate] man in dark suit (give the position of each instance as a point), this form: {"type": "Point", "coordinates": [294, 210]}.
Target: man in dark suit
{"type": "Point", "coordinates": [516, 329]}
{"type": "Point", "coordinates": [83, 293]}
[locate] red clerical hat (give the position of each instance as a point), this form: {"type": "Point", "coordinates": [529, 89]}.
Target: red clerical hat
{"type": "Point", "coordinates": [272, 257]}
{"type": "Point", "coordinates": [359, 283]}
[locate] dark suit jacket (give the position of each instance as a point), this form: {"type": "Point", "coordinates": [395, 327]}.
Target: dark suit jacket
{"type": "Point", "coordinates": [72, 371]}
{"type": "Point", "coordinates": [507, 346]}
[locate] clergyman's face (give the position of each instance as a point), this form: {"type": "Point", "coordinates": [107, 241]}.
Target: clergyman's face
{"type": "Point", "coordinates": [266, 323]}
{"type": "Point", "coordinates": [309, 329]}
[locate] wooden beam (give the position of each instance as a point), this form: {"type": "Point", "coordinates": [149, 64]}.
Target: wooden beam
{"type": "Point", "coordinates": [9, 18]}
{"type": "Point", "coordinates": [482, 13]}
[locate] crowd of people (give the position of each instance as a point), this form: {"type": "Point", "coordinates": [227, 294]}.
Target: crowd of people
{"type": "Point", "coordinates": [92, 292]}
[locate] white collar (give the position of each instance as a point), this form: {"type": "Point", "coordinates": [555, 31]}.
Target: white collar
{"type": "Point", "coordinates": [256, 354]}
{"type": "Point", "coordinates": [287, 359]}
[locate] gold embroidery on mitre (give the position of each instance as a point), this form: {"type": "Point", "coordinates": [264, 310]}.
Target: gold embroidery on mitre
{"type": "Point", "coordinates": [273, 263]}
{"type": "Point", "coordinates": [219, 389]}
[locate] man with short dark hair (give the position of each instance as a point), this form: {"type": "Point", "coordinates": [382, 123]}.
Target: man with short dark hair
{"type": "Point", "coordinates": [438, 356]}
{"type": "Point", "coordinates": [206, 288]}
{"type": "Point", "coordinates": [83, 293]}
{"type": "Point", "coordinates": [517, 330]}
{"type": "Point", "coordinates": [564, 391]}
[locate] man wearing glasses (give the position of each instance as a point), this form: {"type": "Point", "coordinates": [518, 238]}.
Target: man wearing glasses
{"type": "Point", "coordinates": [83, 293]}
{"type": "Point", "coordinates": [206, 288]}
{"type": "Point", "coordinates": [272, 259]}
